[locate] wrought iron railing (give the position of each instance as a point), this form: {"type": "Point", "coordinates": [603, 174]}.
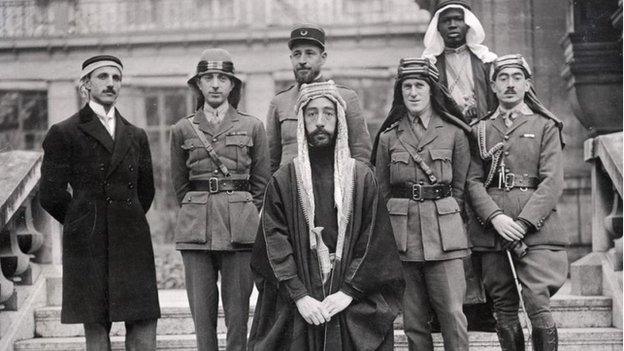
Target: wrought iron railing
{"type": "Point", "coordinates": [54, 18]}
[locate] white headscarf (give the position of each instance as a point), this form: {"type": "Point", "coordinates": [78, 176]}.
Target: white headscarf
{"type": "Point", "coordinates": [343, 172]}
{"type": "Point", "coordinates": [434, 43]}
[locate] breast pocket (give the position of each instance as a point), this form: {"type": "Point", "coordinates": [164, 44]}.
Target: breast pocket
{"type": "Point", "coordinates": [244, 218]}
{"type": "Point", "coordinates": [240, 146]}
{"type": "Point", "coordinates": [191, 223]}
{"type": "Point", "coordinates": [196, 151]}
{"type": "Point", "coordinates": [400, 169]}
{"type": "Point", "coordinates": [452, 231]}
{"type": "Point", "coordinates": [442, 164]}
{"type": "Point", "coordinates": [397, 209]}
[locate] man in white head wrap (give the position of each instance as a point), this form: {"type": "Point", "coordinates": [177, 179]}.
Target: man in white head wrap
{"type": "Point", "coordinates": [453, 42]}
{"type": "Point", "coordinates": [327, 276]}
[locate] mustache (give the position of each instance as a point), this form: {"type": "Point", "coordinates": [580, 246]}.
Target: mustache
{"type": "Point", "coordinates": [109, 90]}
{"type": "Point", "coordinates": [510, 90]}
{"type": "Point", "coordinates": [319, 131]}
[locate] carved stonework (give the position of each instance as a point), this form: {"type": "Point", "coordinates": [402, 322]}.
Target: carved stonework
{"type": "Point", "coordinates": [593, 69]}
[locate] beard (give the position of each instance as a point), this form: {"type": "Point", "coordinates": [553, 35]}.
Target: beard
{"type": "Point", "coordinates": [320, 139]}
{"type": "Point", "coordinates": [306, 77]}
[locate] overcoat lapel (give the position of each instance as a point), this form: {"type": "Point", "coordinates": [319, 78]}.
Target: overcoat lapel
{"type": "Point", "coordinates": [520, 120]}
{"type": "Point", "coordinates": [441, 66]}
{"type": "Point", "coordinates": [204, 126]}
{"type": "Point", "coordinates": [122, 143]}
{"type": "Point", "coordinates": [406, 135]}
{"type": "Point", "coordinates": [499, 125]}
{"type": "Point", "coordinates": [91, 125]}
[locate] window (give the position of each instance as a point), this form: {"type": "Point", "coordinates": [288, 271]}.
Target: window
{"type": "Point", "coordinates": [23, 119]}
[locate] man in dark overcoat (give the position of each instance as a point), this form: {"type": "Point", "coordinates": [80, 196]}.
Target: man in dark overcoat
{"type": "Point", "coordinates": [108, 260]}
{"type": "Point", "coordinates": [307, 56]}
{"type": "Point", "coordinates": [514, 183]}
{"type": "Point", "coordinates": [453, 42]}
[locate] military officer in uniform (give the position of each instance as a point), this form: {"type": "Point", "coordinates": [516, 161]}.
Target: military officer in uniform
{"type": "Point", "coordinates": [515, 181]}
{"type": "Point", "coordinates": [219, 168]}
{"type": "Point", "coordinates": [422, 158]}
{"type": "Point", "coordinates": [307, 56]}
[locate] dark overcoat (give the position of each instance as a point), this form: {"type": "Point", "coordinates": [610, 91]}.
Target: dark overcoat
{"type": "Point", "coordinates": [281, 126]}
{"type": "Point", "coordinates": [108, 260]}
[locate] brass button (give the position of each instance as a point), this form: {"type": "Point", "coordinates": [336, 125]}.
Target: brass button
{"type": "Point", "coordinates": [216, 171]}
{"type": "Point", "coordinates": [506, 153]}
{"type": "Point", "coordinates": [214, 140]}
{"type": "Point", "coordinates": [506, 137]}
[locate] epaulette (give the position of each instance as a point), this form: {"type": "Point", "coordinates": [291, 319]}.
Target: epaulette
{"type": "Point", "coordinates": [285, 90]}
{"type": "Point", "coordinates": [392, 126]}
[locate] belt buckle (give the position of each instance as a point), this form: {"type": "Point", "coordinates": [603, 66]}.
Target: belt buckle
{"type": "Point", "coordinates": [416, 192]}
{"type": "Point", "coordinates": [510, 180]}
{"type": "Point", "coordinates": [213, 185]}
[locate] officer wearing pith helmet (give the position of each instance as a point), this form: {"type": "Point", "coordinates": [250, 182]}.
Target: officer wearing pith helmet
{"type": "Point", "coordinates": [219, 168]}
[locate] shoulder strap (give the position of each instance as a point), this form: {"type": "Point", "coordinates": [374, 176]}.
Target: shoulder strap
{"type": "Point", "coordinates": [209, 149]}
{"type": "Point", "coordinates": [420, 162]}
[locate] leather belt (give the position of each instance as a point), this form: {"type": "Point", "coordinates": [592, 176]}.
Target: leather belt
{"type": "Point", "coordinates": [418, 192]}
{"type": "Point", "coordinates": [512, 180]}
{"type": "Point", "coordinates": [217, 185]}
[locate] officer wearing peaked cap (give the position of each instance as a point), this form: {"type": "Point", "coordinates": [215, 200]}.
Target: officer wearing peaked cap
{"type": "Point", "coordinates": [307, 56]}
{"type": "Point", "coordinates": [515, 181]}
{"type": "Point", "coordinates": [422, 162]}
{"type": "Point", "coordinates": [219, 168]}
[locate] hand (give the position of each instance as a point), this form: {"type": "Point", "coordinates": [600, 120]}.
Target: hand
{"type": "Point", "coordinates": [312, 310]}
{"type": "Point", "coordinates": [336, 302]}
{"type": "Point", "coordinates": [509, 229]}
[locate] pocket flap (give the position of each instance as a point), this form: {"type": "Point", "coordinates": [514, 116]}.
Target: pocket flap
{"type": "Point", "coordinates": [441, 154]}
{"type": "Point", "coordinates": [398, 206]}
{"type": "Point", "coordinates": [447, 205]}
{"type": "Point", "coordinates": [240, 196]}
{"type": "Point", "coordinates": [400, 157]}
{"type": "Point", "coordinates": [238, 140]}
{"type": "Point", "coordinates": [195, 197]}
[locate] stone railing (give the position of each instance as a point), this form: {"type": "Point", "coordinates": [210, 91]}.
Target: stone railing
{"type": "Point", "coordinates": [19, 239]}
{"type": "Point", "coordinates": [60, 18]}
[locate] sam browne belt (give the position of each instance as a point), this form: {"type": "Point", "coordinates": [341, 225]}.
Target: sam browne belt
{"type": "Point", "coordinates": [217, 185]}
{"type": "Point", "coordinates": [418, 192]}
{"type": "Point", "coordinates": [511, 180]}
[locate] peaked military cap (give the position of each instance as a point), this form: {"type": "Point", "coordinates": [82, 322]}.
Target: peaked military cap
{"type": "Point", "coordinates": [311, 33]}
{"type": "Point", "coordinates": [442, 3]}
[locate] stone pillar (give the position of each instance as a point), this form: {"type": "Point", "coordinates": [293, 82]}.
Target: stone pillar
{"type": "Point", "coordinates": [259, 90]}
{"type": "Point", "coordinates": [63, 100]}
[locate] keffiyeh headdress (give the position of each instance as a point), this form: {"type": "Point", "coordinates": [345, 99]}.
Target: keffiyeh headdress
{"type": "Point", "coordinates": [343, 172]}
{"type": "Point", "coordinates": [434, 44]}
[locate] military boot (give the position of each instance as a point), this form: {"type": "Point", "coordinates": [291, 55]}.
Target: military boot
{"type": "Point", "coordinates": [510, 336]}
{"type": "Point", "coordinates": [545, 339]}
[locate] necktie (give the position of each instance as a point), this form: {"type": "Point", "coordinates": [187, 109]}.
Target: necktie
{"type": "Point", "coordinates": [418, 128]}
{"type": "Point", "coordinates": [108, 125]}
{"type": "Point", "coordinates": [509, 118]}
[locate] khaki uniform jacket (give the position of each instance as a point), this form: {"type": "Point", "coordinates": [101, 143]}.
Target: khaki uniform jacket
{"type": "Point", "coordinates": [432, 229]}
{"type": "Point", "coordinates": [532, 147]}
{"type": "Point", "coordinates": [281, 125]}
{"type": "Point", "coordinates": [214, 221]}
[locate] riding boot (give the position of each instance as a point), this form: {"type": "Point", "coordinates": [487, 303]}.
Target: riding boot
{"type": "Point", "coordinates": [510, 336]}
{"type": "Point", "coordinates": [545, 339]}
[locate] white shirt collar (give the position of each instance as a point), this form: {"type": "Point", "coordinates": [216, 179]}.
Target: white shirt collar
{"type": "Point", "coordinates": [100, 111]}
{"type": "Point", "coordinates": [217, 113]}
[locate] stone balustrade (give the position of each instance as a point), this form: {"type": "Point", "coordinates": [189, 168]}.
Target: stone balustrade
{"type": "Point", "coordinates": [20, 241]}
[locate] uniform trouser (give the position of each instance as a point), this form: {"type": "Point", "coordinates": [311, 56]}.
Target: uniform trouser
{"type": "Point", "coordinates": [201, 268]}
{"type": "Point", "coordinates": [140, 335]}
{"type": "Point", "coordinates": [541, 273]}
{"type": "Point", "coordinates": [439, 286]}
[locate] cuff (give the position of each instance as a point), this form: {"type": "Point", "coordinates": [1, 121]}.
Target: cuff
{"type": "Point", "coordinates": [351, 291]}
{"type": "Point", "coordinates": [295, 288]}
{"type": "Point", "coordinates": [527, 225]}
{"type": "Point", "coordinates": [494, 214]}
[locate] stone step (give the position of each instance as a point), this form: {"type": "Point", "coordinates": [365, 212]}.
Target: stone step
{"type": "Point", "coordinates": [570, 339]}
{"type": "Point", "coordinates": [569, 312]}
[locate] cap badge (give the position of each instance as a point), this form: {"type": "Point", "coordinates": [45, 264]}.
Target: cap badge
{"type": "Point", "coordinates": [303, 32]}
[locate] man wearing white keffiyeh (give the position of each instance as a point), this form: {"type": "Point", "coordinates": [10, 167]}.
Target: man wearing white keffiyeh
{"type": "Point", "coordinates": [453, 42]}
{"type": "Point", "coordinates": [322, 243]}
